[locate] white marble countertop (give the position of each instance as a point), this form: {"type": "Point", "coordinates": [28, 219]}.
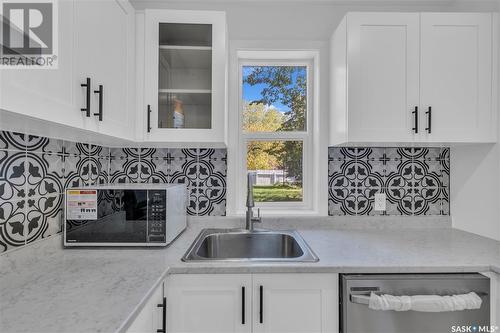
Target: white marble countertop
{"type": "Point", "coordinates": [44, 288]}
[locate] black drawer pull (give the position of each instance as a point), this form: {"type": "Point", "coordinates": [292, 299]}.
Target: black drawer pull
{"type": "Point", "coordinates": [164, 316]}
{"type": "Point", "coordinates": [100, 92]}
{"type": "Point", "coordinates": [86, 85]}
{"type": "Point", "coordinates": [415, 115]}
{"type": "Point", "coordinates": [261, 304]}
{"type": "Point", "coordinates": [429, 120]}
{"type": "Point", "coordinates": [149, 118]}
{"type": "Point", "coordinates": [242, 305]}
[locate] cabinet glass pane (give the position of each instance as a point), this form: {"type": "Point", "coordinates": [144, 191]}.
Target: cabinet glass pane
{"type": "Point", "coordinates": [185, 76]}
{"type": "Point", "coordinates": [185, 34]}
{"type": "Point", "coordinates": [185, 110]}
{"type": "Point", "coordinates": [185, 69]}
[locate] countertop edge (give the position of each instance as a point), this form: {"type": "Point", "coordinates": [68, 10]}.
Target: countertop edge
{"type": "Point", "coordinates": [138, 308]}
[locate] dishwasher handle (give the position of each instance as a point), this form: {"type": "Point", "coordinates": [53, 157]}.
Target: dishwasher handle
{"type": "Point", "coordinates": [360, 299]}
{"type": "Point", "coordinates": [364, 299]}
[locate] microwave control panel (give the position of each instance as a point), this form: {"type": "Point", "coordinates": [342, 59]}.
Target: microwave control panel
{"type": "Point", "coordinates": [157, 200]}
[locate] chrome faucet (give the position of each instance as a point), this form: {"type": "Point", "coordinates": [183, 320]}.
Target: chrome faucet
{"type": "Point", "coordinates": [250, 219]}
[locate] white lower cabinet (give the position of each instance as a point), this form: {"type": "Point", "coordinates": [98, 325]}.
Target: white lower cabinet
{"type": "Point", "coordinates": [151, 318]}
{"type": "Point", "coordinates": [252, 303]}
{"type": "Point", "coordinates": [295, 303]}
{"type": "Point", "coordinates": [209, 303]}
{"type": "Point", "coordinates": [495, 297]}
{"type": "Point", "coordinates": [495, 318]}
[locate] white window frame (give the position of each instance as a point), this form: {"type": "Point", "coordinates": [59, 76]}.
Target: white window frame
{"type": "Point", "coordinates": [278, 58]}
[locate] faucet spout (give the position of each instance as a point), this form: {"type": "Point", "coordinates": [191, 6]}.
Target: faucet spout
{"type": "Point", "coordinates": [250, 201]}
{"type": "Point", "coordinates": [250, 219]}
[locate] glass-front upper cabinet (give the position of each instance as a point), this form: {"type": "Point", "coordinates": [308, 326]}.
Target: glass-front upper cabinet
{"type": "Point", "coordinates": [185, 76]}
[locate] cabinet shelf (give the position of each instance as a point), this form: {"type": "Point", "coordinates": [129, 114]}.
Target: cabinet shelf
{"type": "Point", "coordinates": [185, 47]}
{"type": "Point", "coordinates": [186, 58]}
{"type": "Point", "coordinates": [187, 96]}
{"type": "Point", "coordinates": [185, 91]}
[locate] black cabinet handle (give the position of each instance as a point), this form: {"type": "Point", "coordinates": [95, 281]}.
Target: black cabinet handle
{"type": "Point", "coordinates": [164, 316]}
{"type": "Point", "coordinates": [100, 92]}
{"type": "Point", "coordinates": [261, 304]}
{"type": "Point", "coordinates": [415, 115]}
{"type": "Point", "coordinates": [429, 120]}
{"type": "Point", "coordinates": [87, 97]}
{"type": "Point", "coordinates": [242, 305]}
{"type": "Point", "coordinates": [149, 118]}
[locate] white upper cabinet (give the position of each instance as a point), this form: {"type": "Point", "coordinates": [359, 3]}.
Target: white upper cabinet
{"type": "Point", "coordinates": [413, 77]}
{"type": "Point", "coordinates": [46, 94]}
{"type": "Point", "coordinates": [184, 77]}
{"type": "Point", "coordinates": [104, 53]}
{"type": "Point", "coordinates": [382, 51]}
{"type": "Point", "coordinates": [96, 41]}
{"type": "Point", "coordinates": [456, 77]}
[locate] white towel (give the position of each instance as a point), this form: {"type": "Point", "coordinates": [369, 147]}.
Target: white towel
{"type": "Point", "coordinates": [425, 303]}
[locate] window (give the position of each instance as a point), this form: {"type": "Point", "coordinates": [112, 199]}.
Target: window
{"type": "Point", "coordinates": [275, 132]}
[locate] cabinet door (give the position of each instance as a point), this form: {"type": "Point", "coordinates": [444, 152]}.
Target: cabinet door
{"type": "Point", "coordinates": [218, 303]}
{"type": "Point", "coordinates": [456, 76]}
{"type": "Point", "coordinates": [149, 320]}
{"type": "Point", "coordinates": [295, 303]}
{"type": "Point", "coordinates": [383, 70]}
{"type": "Point", "coordinates": [104, 52]}
{"type": "Point", "coordinates": [185, 76]}
{"type": "Point", "coordinates": [46, 94]}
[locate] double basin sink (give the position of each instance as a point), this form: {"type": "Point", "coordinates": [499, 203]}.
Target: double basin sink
{"type": "Point", "coordinates": [243, 245]}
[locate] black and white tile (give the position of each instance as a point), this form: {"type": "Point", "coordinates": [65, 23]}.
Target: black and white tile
{"type": "Point", "coordinates": [203, 171]}
{"type": "Point", "coordinates": [124, 165]}
{"type": "Point", "coordinates": [12, 175]}
{"type": "Point", "coordinates": [415, 180]}
{"type": "Point", "coordinates": [31, 187]}
{"type": "Point", "coordinates": [34, 171]}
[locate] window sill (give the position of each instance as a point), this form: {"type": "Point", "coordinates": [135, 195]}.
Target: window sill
{"type": "Point", "coordinates": [278, 212]}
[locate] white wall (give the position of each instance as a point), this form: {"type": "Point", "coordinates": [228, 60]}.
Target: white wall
{"type": "Point", "coordinates": [475, 195]}
{"type": "Point", "coordinates": [302, 20]}
{"type": "Point", "coordinates": [475, 188]}
{"type": "Point", "coordinates": [475, 169]}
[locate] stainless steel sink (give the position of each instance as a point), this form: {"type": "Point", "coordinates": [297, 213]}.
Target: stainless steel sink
{"type": "Point", "coordinates": [242, 245]}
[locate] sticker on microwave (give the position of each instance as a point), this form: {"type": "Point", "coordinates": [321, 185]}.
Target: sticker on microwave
{"type": "Point", "coordinates": [81, 205]}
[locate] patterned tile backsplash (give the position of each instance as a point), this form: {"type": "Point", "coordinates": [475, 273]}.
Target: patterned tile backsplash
{"type": "Point", "coordinates": [34, 171]}
{"type": "Point", "coordinates": [416, 181]}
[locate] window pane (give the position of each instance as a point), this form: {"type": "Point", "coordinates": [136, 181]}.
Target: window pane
{"type": "Point", "coordinates": [277, 170]}
{"type": "Point", "coordinates": [274, 98]}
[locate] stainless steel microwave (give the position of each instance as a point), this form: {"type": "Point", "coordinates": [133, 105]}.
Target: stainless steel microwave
{"type": "Point", "coordinates": [124, 214]}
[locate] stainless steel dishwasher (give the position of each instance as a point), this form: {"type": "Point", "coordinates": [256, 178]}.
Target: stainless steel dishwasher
{"type": "Point", "coordinates": [357, 317]}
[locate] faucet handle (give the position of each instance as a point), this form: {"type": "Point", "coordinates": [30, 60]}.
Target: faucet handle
{"type": "Point", "coordinates": [257, 219]}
